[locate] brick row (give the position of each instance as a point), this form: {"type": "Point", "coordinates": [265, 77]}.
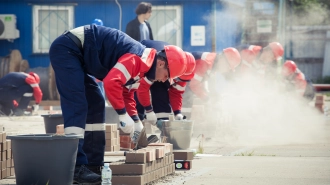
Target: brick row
{"type": "Point", "coordinates": [143, 179]}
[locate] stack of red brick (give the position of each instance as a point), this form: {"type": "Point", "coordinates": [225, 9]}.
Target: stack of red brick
{"type": "Point", "coordinates": [144, 165]}
{"type": "Point", "coordinates": [319, 103]}
{"type": "Point", "coordinates": [6, 159]}
{"type": "Point", "coordinates": [112, 139]}
{"type": "Point", "coordinates": [125, 141]}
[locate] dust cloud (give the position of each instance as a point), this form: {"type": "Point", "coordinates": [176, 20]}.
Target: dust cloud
{"type": "Point", "coordinates": [255, 110]}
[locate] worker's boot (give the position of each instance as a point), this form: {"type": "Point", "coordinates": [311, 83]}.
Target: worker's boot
{"type": "Point", "coordinates": [95, 169]}
{"type": "Point", "coordinates": [83, 176]}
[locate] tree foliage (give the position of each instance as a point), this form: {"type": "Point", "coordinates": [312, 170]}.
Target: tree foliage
{"type": "Point", "coordinates": [310, 12]}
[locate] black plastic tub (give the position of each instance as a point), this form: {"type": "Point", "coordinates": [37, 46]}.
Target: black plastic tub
{"type": "Point", "coordinates": [51, 121]}
{"type": "Point", "coordinates": [44, 159]}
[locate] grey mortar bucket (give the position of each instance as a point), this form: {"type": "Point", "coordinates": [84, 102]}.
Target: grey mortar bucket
{"type": "Point", "coordinates": [51, 121]}
{"type": "Point", "coordinates": [44, 159]}
{"type": "Point", "coordinates": [178, 133]}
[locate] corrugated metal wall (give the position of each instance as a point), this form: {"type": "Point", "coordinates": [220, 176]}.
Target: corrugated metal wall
{"type": "Point", "coordinates": [194, 12]}
{"type": "Point", "coordinates": [308, 48]}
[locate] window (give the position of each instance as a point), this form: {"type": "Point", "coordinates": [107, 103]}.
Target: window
{"type": "Point", "coordinates": [166, 22]}
{"type": "Point", "coordinates": [48, 23]}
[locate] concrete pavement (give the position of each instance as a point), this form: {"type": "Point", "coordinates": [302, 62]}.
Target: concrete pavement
{"type": "Point", "coordinates": [286, 164]}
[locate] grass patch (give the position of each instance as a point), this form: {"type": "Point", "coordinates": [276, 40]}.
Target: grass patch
{"type": "Point", "coordinates": [245, 153]}
{"type": "Point", "coordinates": [251, 153]}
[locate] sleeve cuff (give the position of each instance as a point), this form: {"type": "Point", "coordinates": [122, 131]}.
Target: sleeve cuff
{"type": "Point", "coordinates": [135, 117]}
{"type": "Point", "coordinates": [121, 111]}
{"type": "Point", "coordinates": [148, 108]}
{"type": "Point", "coordinates": [177, 112]}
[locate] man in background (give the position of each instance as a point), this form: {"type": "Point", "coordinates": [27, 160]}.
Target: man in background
{"type": "Point", "coordinates": [139, 29]}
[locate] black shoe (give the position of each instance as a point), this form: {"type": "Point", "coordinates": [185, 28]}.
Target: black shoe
{"type": "Point", "coordinates": [95, 169]}
{"type": "Point", "coordinates": [83, 176]}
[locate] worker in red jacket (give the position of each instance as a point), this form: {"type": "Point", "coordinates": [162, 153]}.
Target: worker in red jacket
{"type": "Point", "coordinates": [165, 96]}
{"type": "Point", "coordinates": [258, 59]}
{"type": "Point", "coordinates": [296, 81]}
{"type": "Point", "coordinates": [212, 63]}
{"type": "Point", "coordinates": [120, 62]}
{"type": "Point", "coordinates": [16, 91]}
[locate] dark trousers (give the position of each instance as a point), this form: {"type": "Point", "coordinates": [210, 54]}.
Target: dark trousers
{"type": "Point", "coordinates": [81, 99]}
{"type": "Point", "coordinates": [160, 100]}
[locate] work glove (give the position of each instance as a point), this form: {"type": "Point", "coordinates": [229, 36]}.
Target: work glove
{"type": "Point", "coordinates": [159, 124]}
{"type": "Point", "coordinates": [126, 123]}
{"type": "Point", "coordinates": [179, 116]}
{"type": "Point", "coordinates": [151, 117]}
{"type": "Point", "coordinates": [35, 107]}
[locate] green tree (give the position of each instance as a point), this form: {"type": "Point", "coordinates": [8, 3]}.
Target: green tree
{"type": "Point", "coordinates": [310, 12]}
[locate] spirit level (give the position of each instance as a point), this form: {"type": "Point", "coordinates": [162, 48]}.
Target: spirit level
{"type": "Point", "coordinates": [182, 164]}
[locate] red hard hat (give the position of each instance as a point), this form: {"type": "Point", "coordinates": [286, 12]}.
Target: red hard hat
{"type": "Point", "coordinates": [277, 49]}
{"type": "Point", "coordinates": [255, 49]}
{"type": "Point", "coordinates": [36, 76]}
{"type": "Point", "coordinates": [289, 67]}
{"type": "Point", "coordinates": [250, 53]}
{"type": "Point", "coordinates": [191, 64]}
{"type": "Point", "coordinates": [177, 62]}
{"type": "Point", "coordinates": [233, 57]}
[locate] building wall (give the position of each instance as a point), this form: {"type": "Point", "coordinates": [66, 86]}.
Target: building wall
{"type": "Point", "coordinates": [226, 26]}
{"type": "Point", "coordinates": [306, 46]}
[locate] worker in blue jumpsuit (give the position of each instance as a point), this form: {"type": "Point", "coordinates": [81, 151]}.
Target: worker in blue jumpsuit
{"type": "Point", "coordinates": [83, 49]}
{"type": "Point", "coordinates": [16, 92]}
{"type": "Point", "coordinates": [119, 61]}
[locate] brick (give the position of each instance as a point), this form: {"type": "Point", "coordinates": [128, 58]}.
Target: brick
{"type": "Point", "coordinates": [108, 148]}
{"type": "Point", "coordinates": [8, 172]}
{"type": "Point", "coordinates": [8, 144]}
{"type": "Point", "coordinates": [3, 146]}
{"type": "Point", "coordinates": [121, 168]}
{"type": "Point", "coordinates": [150, 154]}
{"type": "Point", "coordinates": [159, 150]}
{"type": "Point", "coordinates": [8, 163]}
{"type": "Point", "coordinates": [128, 180]}
{"type": "Point", "coordinates": [126, 145]}
{"type": "Point", "coordinates": [12, 171]}
{"type": "Point", "coordinates": [60, 129]}
{"type": "Point", "coordinates": [3, 165]}
{"type": "Point", "coordinates": [110, 127]}
{"type": "Point", "coordinates": [171, 159]}
{"type": "Point", "coordinates": [319, 102]}
{"type": "Point", "coordinates": [117, 134]}
{"type": "Point", "coordinates": [125, 138]}
{"type": "Point", "coordinates": [110, 142]}
{"type": "Point", "coordinates": [148, 167]}
{"type": "Point", "coordinates": [116, 148]}
{"type": "Point", "coordinates": [1, 140]}
{"type": "Point", "coordinates": [3, 155]}
{"type": "Point", "coordinates": [168, 147]}
{"type": "Point", "coordinates": [319, 98]}
{"type": "Point", "coordinates": [172, 168]}
{"type": "Point", "coordinates": [3, 173]}
{"type": "Point", "coordinates": [136, 157]}
{"type": "Point", "coordinates": [183, 155]}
